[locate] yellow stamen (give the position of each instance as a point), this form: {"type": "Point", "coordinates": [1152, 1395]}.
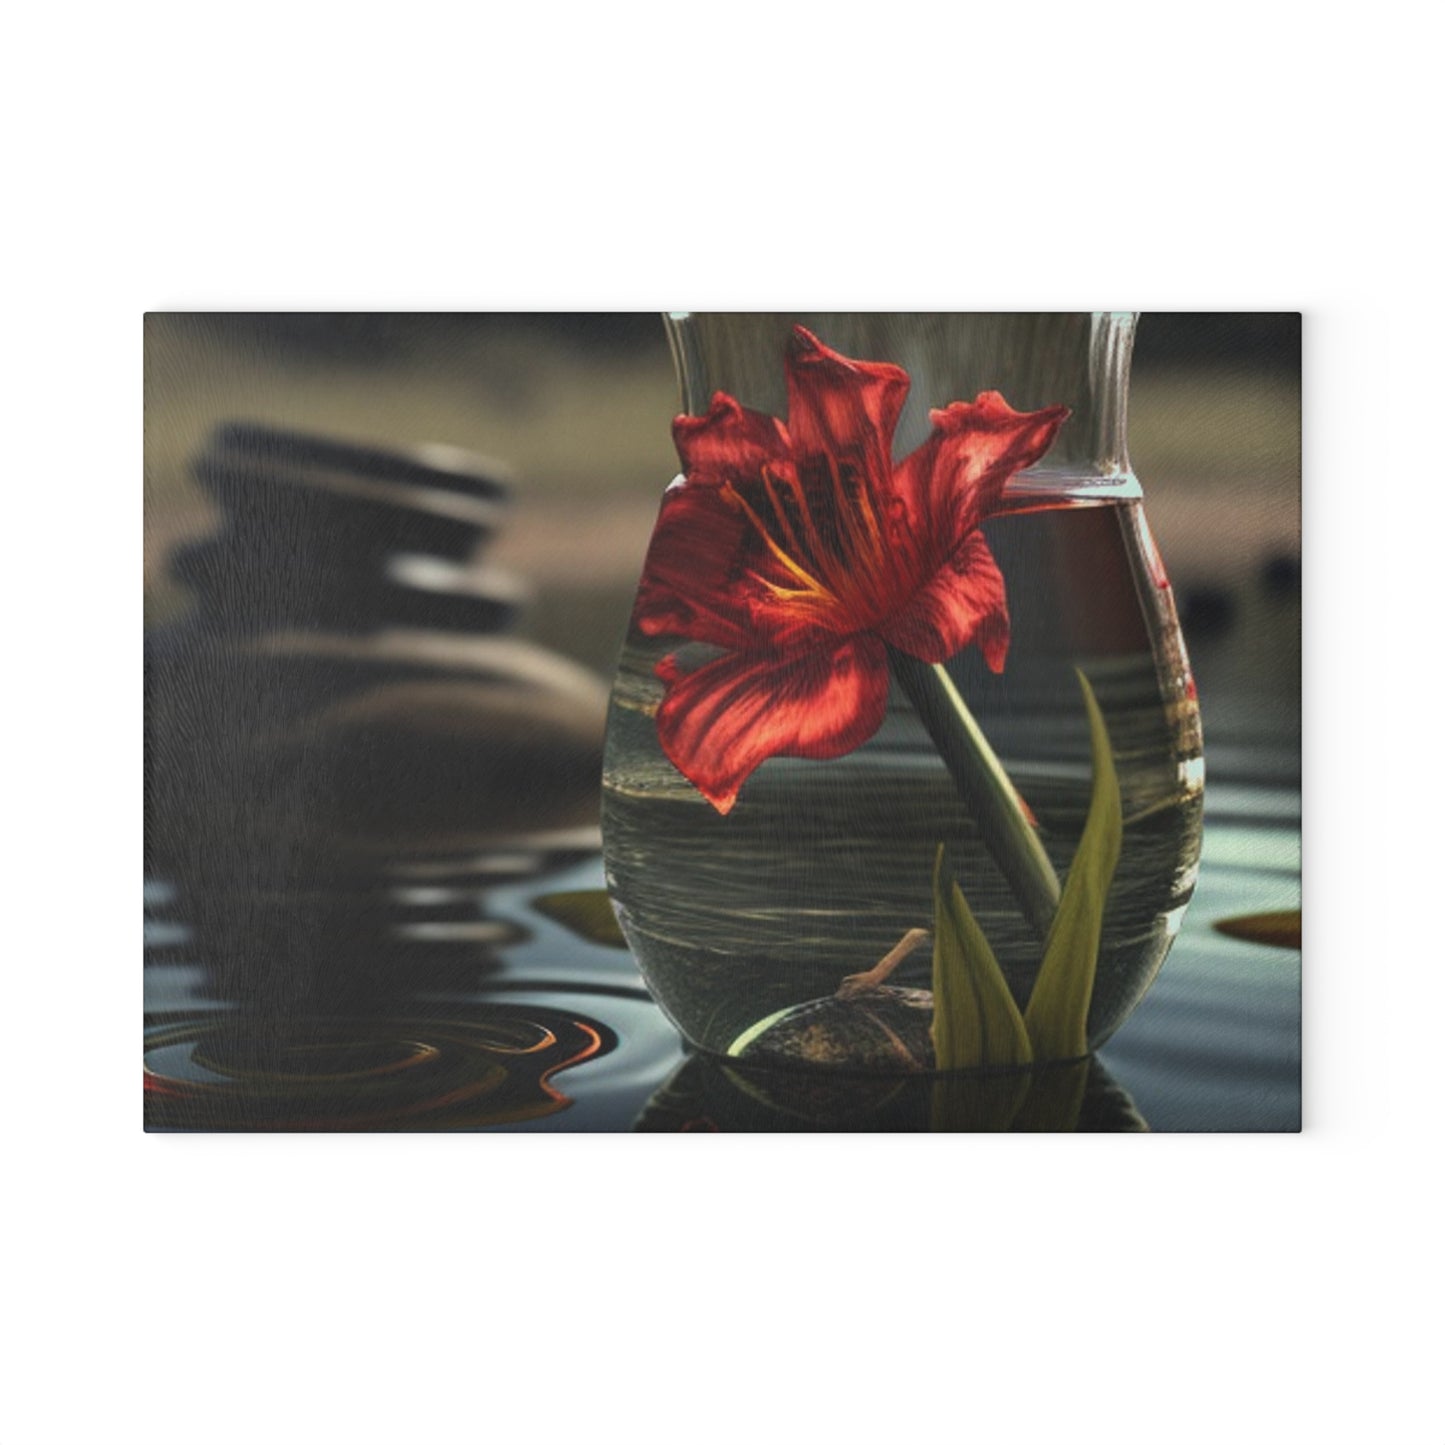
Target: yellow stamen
{"type": "Point", "coordinates": [809, 582]}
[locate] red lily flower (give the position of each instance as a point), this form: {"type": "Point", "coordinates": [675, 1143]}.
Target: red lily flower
{"type": "Point", "coordinates": [804, 552]}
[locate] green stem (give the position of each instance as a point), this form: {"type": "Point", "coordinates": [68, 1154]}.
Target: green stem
{"type": "Point", "coordinates": [983, 786]}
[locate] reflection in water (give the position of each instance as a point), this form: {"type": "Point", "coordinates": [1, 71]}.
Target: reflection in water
{"type": "Point", "coordinates": [480, 1065]}
{"type": "Point", "coordinates": [708, 1094]}
{"type": "Point", "coordinates": [343, 758]}
{"type": "Point", "coordinates": [347, 938]}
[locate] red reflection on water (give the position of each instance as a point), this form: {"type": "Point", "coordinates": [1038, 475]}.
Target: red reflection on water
{"type": "Point", "coordinates": [494, 1065]}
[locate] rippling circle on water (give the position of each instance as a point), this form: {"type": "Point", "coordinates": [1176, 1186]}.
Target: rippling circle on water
{"type": "Point", "coordinates": [490, 1064]}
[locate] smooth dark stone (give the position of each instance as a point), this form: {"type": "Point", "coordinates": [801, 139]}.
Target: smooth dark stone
{"type": "Point", "coordinates": [256, 444]}
{"type": "Point", "coordinates": [1281, 574]}
{"type": "Point", "coordinates": [1206, 611]}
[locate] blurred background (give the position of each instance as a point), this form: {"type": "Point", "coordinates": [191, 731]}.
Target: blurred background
{"type": "Point", "coordinates": [578, 408]}
{"type": "Point", "coordinates": [389, 563]}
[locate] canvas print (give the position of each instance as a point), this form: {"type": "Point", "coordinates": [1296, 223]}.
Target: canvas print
{"type": "Point", "coordinates": [722, 722]}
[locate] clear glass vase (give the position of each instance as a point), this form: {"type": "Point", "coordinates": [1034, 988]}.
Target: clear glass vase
{"type": "Point", "coordinates": [821, 865]}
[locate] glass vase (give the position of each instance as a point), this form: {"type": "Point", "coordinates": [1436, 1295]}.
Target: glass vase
{"type": "Point", "coordinates": [744, 921]}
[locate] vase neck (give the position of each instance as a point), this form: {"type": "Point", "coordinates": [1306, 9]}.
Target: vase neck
{"type": "Point", "coordinates": [1035, 359]}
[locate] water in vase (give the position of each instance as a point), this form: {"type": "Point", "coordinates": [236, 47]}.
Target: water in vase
{"type": "Point", "coordinates": [822, 866]}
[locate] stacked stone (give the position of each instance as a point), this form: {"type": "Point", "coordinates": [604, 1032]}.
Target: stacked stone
{"type": "Point", "coordinates": [343, 702]}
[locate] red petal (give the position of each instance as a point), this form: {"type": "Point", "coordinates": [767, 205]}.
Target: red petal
{"type": "Point", "coordinates": [728, 443]}
{"type": "Point", "coordinates": [962, 603]}
{"type": "Point", "coordinates": [719, 723]}
{"type": "Point", "coordinates": [956, 478]}
{"type": "Point", "coordinates": [706, 578]}
{"type": "Point", "coordinates": [689, 587]}
{"type": "Point", "coordinates": [843, 410]}
{"type": "Point", "coordinates": [702, 576]}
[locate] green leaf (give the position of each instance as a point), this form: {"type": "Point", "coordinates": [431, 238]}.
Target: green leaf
{"type": "Point", "coordinates": [977, 1103]}
{"type": "Point", "coordinates": [976, 1023]}
{"type": "Point", "coordinates": [1058, 1010]}
{"type": "Point", "coordinates": [587, 913]}
{"type": "Point", "coordinates": [1055, 1099]}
